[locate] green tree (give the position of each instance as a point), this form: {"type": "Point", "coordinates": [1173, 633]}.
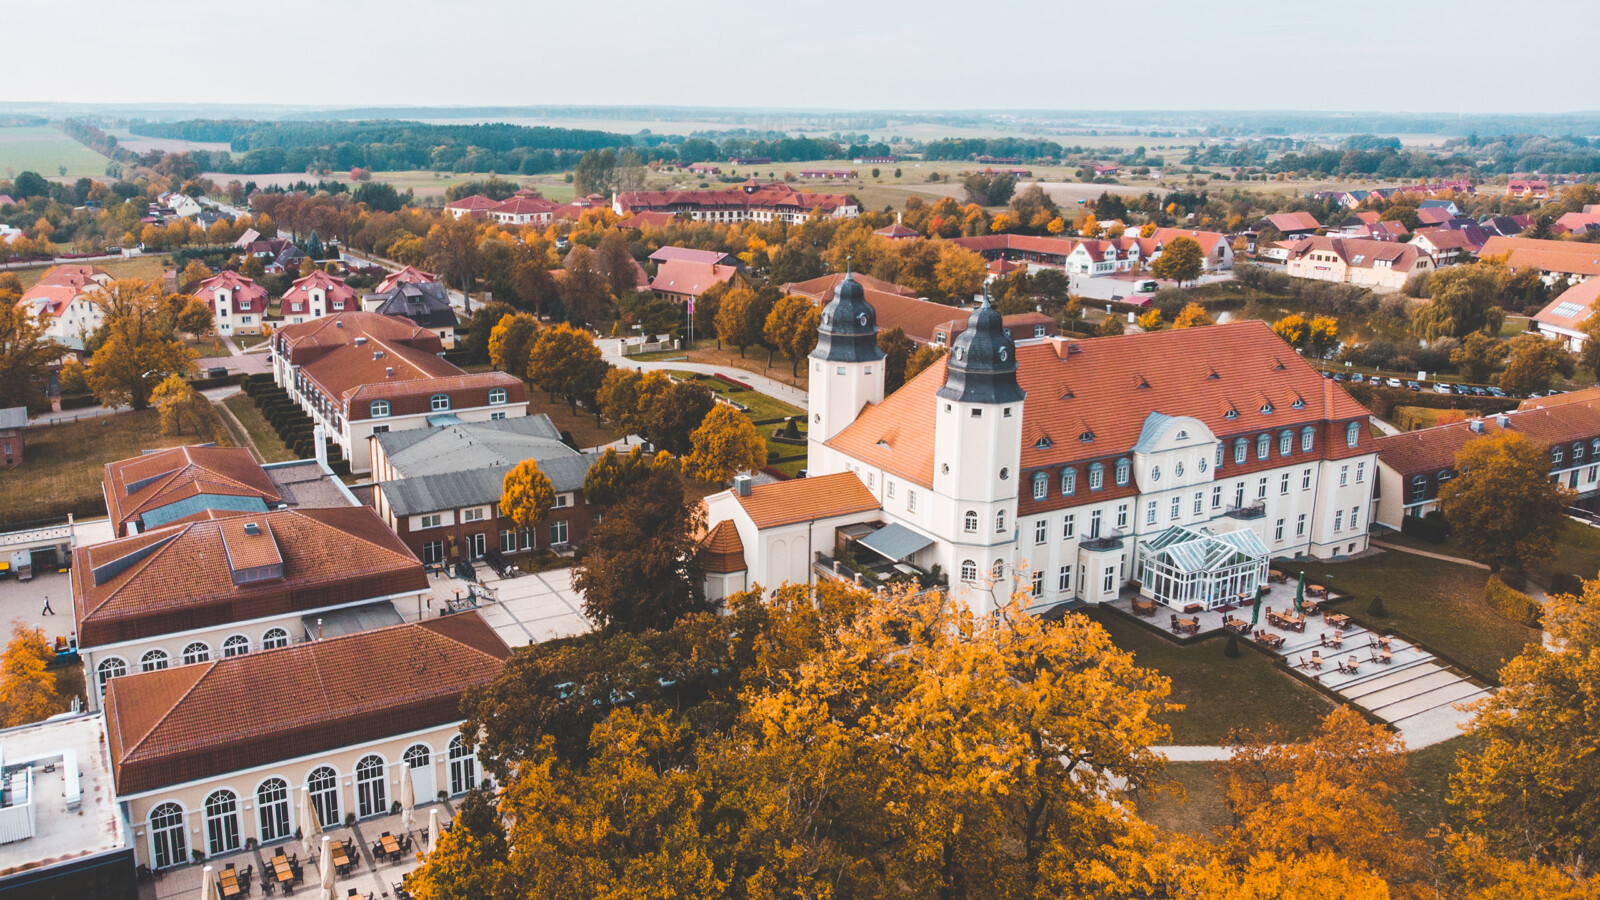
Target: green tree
{"type": "Point", "coordinates": [1502, 506]}
{"type": "Point", "coordinates": [25, 355]}
{"type": "Point", "coordinates": [792, 327]}
{"type": "Point", "coordinates": [615, 262]}
{"type": "Point", "coordinates": [1478, 356]}
{"type": "Point", "coordinates": [897, 350]}
{"type": "Point", "coordinates": [595, 173]}
{"type": "Point", "coordinates": [724, 445]}
{"type": "Point", "coordinates": [1461, 300]}
{"type": "Point", "coordinates": [474, 339]}
{"type": "Point", "coordinates": [639, 569]}
{"type": "Point", "coordinates": [564, 362]}
{"type": "Point", "coordinates": [585, 290]}
{"type": "Point", "coordinates": [675, 415]}
{"type": "Point", "coordinates": [526, 494]}
{"type": "Point", "coordinates": [1532, 360]}
{"type": "Point", "coordinates": [1181, 260]}
{"type": "Point", "coordinates": [613, 477]}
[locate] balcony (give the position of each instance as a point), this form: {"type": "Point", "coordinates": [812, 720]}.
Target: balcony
{"type": "Point", "coordinates": [1256, 510]}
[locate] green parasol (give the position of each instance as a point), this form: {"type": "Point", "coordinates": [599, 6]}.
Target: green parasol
{"type": "Point", "coordinates": [1300, 594]}
{"type": "Point", "coordinates": [1255, 609]}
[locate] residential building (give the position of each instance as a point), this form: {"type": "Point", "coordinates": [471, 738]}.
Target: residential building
{"type": "Point", "coordinates": [1577, 223]}
{"type": "Point", "coordinates": [687, 254]}
{"type": "Point", "coordinates": [316, 295]}
{"type": "Point", "coordinates": [525, 210]}
{"type": "Point", "coordinates": [423, 303]}
{"type": "Point", "coordinates": [182, 593]}
{"type": "Point", "coordinates": [244, 748]}
{"type": "Point", "coordinates": [750, 161]}
{"type": "Point", "coordinates": [827, 174]}
{"type": "Point", "coordinates": [684, 281]}
{"type": "Point", "coordinates": [1445, 246]}
{"type": "Point", "coordinates": [1063, 468]}
{"type": "Point", "coordinates": [751, 202]}
{"type": "Point", "coordinates": [360, 374]}
{"type": "Point", "coordinates": [897, 232]}
{"type": "Point", "coordinates": [1573, 261]}
{"type": "Point", "coordinates": [1217, 249]}
{"type": "Point", "coordinates": [65, 298]}
{"type": "Point", "coordinates": [406, 275]}
{"type": "Point", "coordinates": [1528, 189]}
{"type": "Point", "coordinates": [238, 304]}
{"type": "Point", "coordinates": [439, 488]}
{"type": "Point", "coordinates": [13, 435]}
{"type": "Point", "coordinates": [1414, 465]}
{"type": "Point", "coordinates": [477, 207]}
{"type": "Point", "coordinates": [1562, 318]}
{"type": "Point", "coordinates": [1291, 224]}
{"type": "Point", "coordinates": [703, 168]}
{"type": "Point", "coordinates": [1381, 265]}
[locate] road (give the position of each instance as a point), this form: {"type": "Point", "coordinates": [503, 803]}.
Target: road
{"type": "Point", "coordinates": [611, 348]}
{"type": "Point", "coordinates": [72, 415]}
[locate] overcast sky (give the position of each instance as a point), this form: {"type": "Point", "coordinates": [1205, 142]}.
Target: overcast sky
{"type": "Point", "coordinates": [1395, 55]}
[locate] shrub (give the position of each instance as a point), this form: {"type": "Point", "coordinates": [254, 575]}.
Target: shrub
{"type": "Point", "coordinates": [1566, 583]}
{"type": "Point", "coordinates": [1231, 650]}
{"type": "Point", "coordinates": [1430, 528]}
{"type": "Point", "coordinates": [1512, 603]}
{"type": "Point", "coordinates": [1376, 610]}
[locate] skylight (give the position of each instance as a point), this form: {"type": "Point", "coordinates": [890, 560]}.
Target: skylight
{"type": "Point", "coordinates": [1569, 310]}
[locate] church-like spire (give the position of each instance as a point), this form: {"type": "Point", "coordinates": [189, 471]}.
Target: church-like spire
{"type": "Point", "coordinates": [849, 328]}
{"type": "Point", "coordinates": [983, 360]}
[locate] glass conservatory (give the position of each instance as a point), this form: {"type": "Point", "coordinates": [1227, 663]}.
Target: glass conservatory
{"type": "Point", "coordinates": [1182, 566]}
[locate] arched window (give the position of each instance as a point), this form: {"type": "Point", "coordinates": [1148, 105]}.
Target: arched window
{"type": "Point", "coordinates": [969, 571]}
{"type": "Point", "coordinates": [109, 668]}
{"type": "Point", "coordinates": [1000, 522]}
{"type": "Point", "coordinates": [998, 570]}
{"type": "Point", "coordinates": [1556, 457]}
{"type": "Point", "coordinates": [1307, 436]}
{"type": "Point", "coordinates": [417, 756]}
{"type": "Point", "coordinates": [1069, 481]}
{"type": "Point", "coordinates": [463, 766]}
{"type": "Point", "coordinates": [274, 638]}
{"type": "Point", "coordinates": [1443, 476]}
{"type": "Point", "coordinates": [196, 652]}
{"type": "Point", "coordinates": [323, 785]}
{"type": "Point", "coordinates": [1041, 483]}
{"type": "Point", "coordinates": [380, 408]}
{"type": "Point", "coordinates": [236, 645]}
{"type": "Point", "coordinates": [1263, 445]}
{"type": "Point", "coordinates": [1124, 470]}
{"type": "Point", "coordinates": [439, 402]}
{"type": "Point", "coordinates": [1352, 434]}
{"type": "Point", "coordinates": [497, 396]}
{"type": "Point", "coordinates": [970, 521]}
{"type": "Point", "coordinates": [1240, 448]}
{"type": "Point", "coordinates": [1577, 453]}
{"type": "Point", "coordinates": [1285, 442]}
{"type": "Point", "coordinates": [272, 808]}
{"type": "Point", "coordinates": [1419, 487]}
{"type": "Point", "coordinates": [371, 797]}
{"type": "Point", "coordinates": [222, 822]}
{"type": "Point", "coordinates": [153, 661]}
{"type": "Point", "coordinates": [169, 839]}
{"type": "Point", "coordinates": [1097, 476]}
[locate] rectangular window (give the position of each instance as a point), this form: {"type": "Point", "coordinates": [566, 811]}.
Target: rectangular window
{"type": "Point", "coordinates": [496, 416]}
{"type": "Point", "coordinates": [563, 500]}
{"type": "Point", "coordinates": [911, 501]}
{"type": "Point", "coordinates": [1277, 531]}
{"type": "Point", "coordinates": [1068, 527]}
{"type": "Point", "coordinates": [558, 532]}
{"type": "Point", "coordinates": [1069, 481]}
{"type": "Point", "coordinates": [1041, 531]}
{"type": "Point", "coordinates": [1261, 488]}
{"type": "Point", "coordinates": [1300, 526]}
{"type": "Point", "coordinates": [1305, 480]}
{"type": "Point", "coordinates": [1150, 513]}
{"type": "Point", "coordinates": [472, 515]}
{"type": "Point", "coordinates": [1338, 520]}
{"type": "Point", "coordinates": [1109, 582]}
{"type": "Point", "coordinates": [1216, 497]}
{"type": "Point", "coordinates": [1096, 477]}
{"type": "Point", "coordinates": [1199, 503]}
{"type": "Point", "coordinates": [1064, 580]}
{"type": "Point", "coordinates": [432, 521]}
{"type": "Point", "coordinates": [526, 538]}
{"type": "Point", "coordinates": [1122, 516]}
{"type": "Point", "coordinates": [508, 541]}
{"type": "Point", "coordinates": [869, 480]}
{"type": "Point", "coordinates": [433, 552]}
{"type": "Point", "coordinates": [1094, 525]}
{"type": "Point", "coordinates": [1238, 495]}
{"type": "Point", "coordinates": [888, 487]}
{"type": "Point", "coordinates": [1283, 483]}
{"type": "Point", "coordinates": [1361, 472]}
{"type": "Point", "coordinates": [1355, 518]}
{"type": "Point", "coordinates": [1038, 584]}
{"type": "Point", "coordinates": [1344, 475]}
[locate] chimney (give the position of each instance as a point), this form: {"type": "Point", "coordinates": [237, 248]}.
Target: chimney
{"type": "Point", "coordinates": [252, 528]}
{"type": "Point", "coordinates": [388, 372]}
{"type": "Point", "coordinates": [1503, 420]}
{"type": "Point", "coordinates": [377, 354]}
{"type": "Point", "coordinates": [741, 484]}
{"type": "Point", "coordinates": [1476, 425]}
{"type": "Point", "coordinates": [361, 340]}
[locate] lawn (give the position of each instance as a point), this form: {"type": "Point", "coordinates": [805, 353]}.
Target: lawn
{"type": "Point", "coordinates": [1436, 602]}
{"type": "Point", "coordinates": [754, 360]}
{"type": "Point", "coordinates": [585, 431]}
{"type": "Point", "coordinates": [45, 150]}
{"type": "Point", "coordinates": [150, 268]}
{"type": "Point", "coordinates": [1220, 694]}
{"type": "Point", "coordinates": [761, 406]}
{"type": "Point", "coordinates": [1578, 552]}
{"type": "Point", "coordinates": [268, 445]}
{"type": "Point", "coordinates": [66, 462]}
{"type": "Point", "coordinates": [246, 341]}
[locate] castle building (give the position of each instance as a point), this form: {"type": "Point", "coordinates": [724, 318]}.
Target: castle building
{"type": "Point", "coordinates": [1174, 463]}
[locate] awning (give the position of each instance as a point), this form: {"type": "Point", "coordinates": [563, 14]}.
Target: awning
{"type": "Point", "coordinates": [443, 419]}
{"type": "Point", "coordinates": [894, 542]}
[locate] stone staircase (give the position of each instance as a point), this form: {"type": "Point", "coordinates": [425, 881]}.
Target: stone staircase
{"type": "Point", "coordinates": [1417, 692]}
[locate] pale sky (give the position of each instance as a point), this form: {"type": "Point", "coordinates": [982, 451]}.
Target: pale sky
{"type": "Point", "coordinates": [1392, 55]}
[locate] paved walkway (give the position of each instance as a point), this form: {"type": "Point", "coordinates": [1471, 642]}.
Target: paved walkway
{"type": "Point", "coordinates": [611, 348]}
{"type": "Point", "coordinates": [1429, 554]}
{"type": "Point", "coordinates": [1383, 426]}
{"type": "Point", "coordinates": [73, 415]}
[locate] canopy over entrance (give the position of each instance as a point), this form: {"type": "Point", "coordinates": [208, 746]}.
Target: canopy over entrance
{"type": "Point", "coordinates": [895, 542]}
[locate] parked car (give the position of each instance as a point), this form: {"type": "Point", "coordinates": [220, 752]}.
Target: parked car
{"type": "Point", "coordinates": [1440, 387]}
{"type": "Point", "coordinates": [1413, 386]}
{"type": "Point", "coordinates": [1327, 374]}
{"type": "Point", "coordinates": [1391, 382]}
{"type": "Point", "coordinates": [1339, 376]}
{"type": "Point", "coordinates": [1496, 392]}
{"type": "Point", "coordinates": [1358, 378]}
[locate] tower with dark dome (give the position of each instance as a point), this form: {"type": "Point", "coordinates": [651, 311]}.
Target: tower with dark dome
{"type": "Point", "coordinates": [846, 366]}
{"type": "Point", "coordinates": [977, 438]}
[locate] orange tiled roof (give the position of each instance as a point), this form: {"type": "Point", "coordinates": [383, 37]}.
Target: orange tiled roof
{"type": "Point", "coordinates": [407, 275]}
{"type": "Point", "coordinates": [1568, 257]}
{"type": "Point", "coordinates": [1108, 386]}
{"type": "Point", "coordinates": [724, 551]}
{"type": "Point", "coordinates": [136, 486]}
{"type": "Point", "coordinates": [197, 721]}
{"type": "Point", "coordinates": [804, 499]}
{"type": "Point", "coordinates": [821, 288]}
{"type": "Point", "coordinates": [334, 288]}
{"type": "Point", "coordinates": [1582, 296]}
{"type": "Point", "coordinates": [180, 576]}
{"type": "Point", "coordinates": [1206, 239]}
{"type": "Point", "coordinates": [1432, 450]}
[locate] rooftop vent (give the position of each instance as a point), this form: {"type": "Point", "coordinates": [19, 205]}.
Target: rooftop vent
{"type": "Point", "coordinates": [1072, 349]}
{"type": "Point", "coordinates": [1503, 420]}
{"type": "Point", "coordinates": [741, 484]}
{"type": "Point", "coordinates": [252, 528]}
{"type": "Point", "coordinates": [388, 372]}
{"type": "Point", "coordinates": [361, 340]}
{"type": "Point", "coordinates": [338, 323]}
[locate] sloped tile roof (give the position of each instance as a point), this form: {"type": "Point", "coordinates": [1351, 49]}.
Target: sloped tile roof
{"type": "Point", "coordinates": [136, 486]}
{"type": "Point", "coordinates": [1567, 257]}
{"type": "Point", "coordinates": [804, 499]}
{"type": "Point", "coordinates": [1571, 307]}
{"type": "Point", "coordinates": [1432, 450]}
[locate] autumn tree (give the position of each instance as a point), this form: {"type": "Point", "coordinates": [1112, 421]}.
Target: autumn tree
{"type": "Point", "coordinates": [639, 569]}
{"type": "Point", "coordinates": [531, 280]}
{"type": "Point", "coordinates": [792, 328]}
{"type": "Point", "coordinates": [565, 362]}
{"type": "Point", "coordinates": [194, 317]}
{"type": "Point", "coordinates": [526, 494]}
{"type": "Point", "coordinates": [194, 273]}
{"type": "Point", "coordinates": [735, 322]}
{"type": "Point", "coordinates": [585, 290]}
{"type": "Point", "coordinates": [1532, 360]}
{"type": "Point", "coordinates": [474, 339]}
{"type": "Point", "coordinates": [140, 348]}
{"type": "Point", "coordinates": [724, 445]}
{"type": "Point", "coordinates": [510, 341]}
{"type": "Point", "coordinates": [897, 350]}
{"type": "Point", "coordinates": [452, 248]}
{"type": "Point", "coordinates": [1181, 260]}
{"type": "Point", "coordinates": [675, 414]}
{"type": "Point", "coordinates": [26, 354]}
{"type": "Point", "coordinates": [1150, 319]}
{"type": "Point", "coordinates": [470, 861]}
{"type": "Point", "coordinates": [1461, 300]}
{"type": "Point", "coordinates": [614, 476]}
{"type": "Point", "coordinates": [1478, 356]}
{"type": "Point", "coordinates": [179, 404]}
{"type": "Point", "coordinates": [1589, 353]}
{"type": "Point", "coordinates": [1193, 315]}
{"type": "Point", "coordinates": [1502, 506]}
{"type": "Point", "coordinates": [27, 688]}
{"type": "Point", "coordinates": [923, 357]}
{"type": "Point", "coordinates": [959, 273]}
{"type": "Point", "coordinates": [1110, 325]}
{"type": "Point", "coordinates": [615, 261]}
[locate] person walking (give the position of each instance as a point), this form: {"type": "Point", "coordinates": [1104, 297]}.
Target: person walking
{"type": "Point", "coordinates": [47, 610]}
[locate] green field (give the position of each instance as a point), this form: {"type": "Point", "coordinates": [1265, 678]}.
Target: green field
{"type": "Point", "coordinates": [150, 268]}
{"type": "Point", "coordinates": [42, 149]}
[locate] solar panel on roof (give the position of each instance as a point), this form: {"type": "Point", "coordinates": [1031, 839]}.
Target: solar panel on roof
{"type": "Point", "coordinates": [1569, 310]}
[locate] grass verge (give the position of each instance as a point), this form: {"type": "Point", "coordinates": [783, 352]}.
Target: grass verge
{"type": "Point", "coordinates": [267, 443]}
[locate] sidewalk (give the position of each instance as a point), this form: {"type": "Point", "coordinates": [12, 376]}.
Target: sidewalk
{"type": "Point", "coordinates": [611, 349]}
{"type": "Point", "coordinates": [72, 415]}
{"type": "Point", "coordinates": [1415, 552]}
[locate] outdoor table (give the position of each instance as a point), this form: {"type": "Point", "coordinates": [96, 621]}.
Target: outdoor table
{"type": "Point", "coordinates": [1193, 608]}
{"type": "Point", "coordinates": [390, 845]}
{"type": "Point", "coordinates": [1271, 640]}
{"type": "Point", "coordinates": [1337, 620]}
{"type": "Point", "coordinates": [341, 860]}
{"type": "Point", "coordinates": [281, 870]}
{"type": "Point", "coordinates": [228, 880]}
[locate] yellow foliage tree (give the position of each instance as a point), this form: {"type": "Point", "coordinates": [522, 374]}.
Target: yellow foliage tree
{"type": "Point", "coordinates": [1147, 229]}
{"type": "Point", "coordinates": [1089, 227]}
{"type": "Point", "coordinates": [509, 342]}
{"type": "Point", "coordinates": [959, 272]}
{"type": "Point", "coordinates": [27, 689]}
{"type": "Point", "coordinates": [179, 403]}
{"type": "Point", "coordinates": [526, 494]}
{"type": "Point", "coordinates": [195, 272]}
{"type": "Point", "coordinates": [140, 349]}
{"type": "Point", "coordinates": [1193, 315]}
{"type": "Point", "coordinates": [1150, 319]}
{"type": "Point", "coordinates": [1056, 226]}
{"type": "Point", "coordinates": [724, 445]}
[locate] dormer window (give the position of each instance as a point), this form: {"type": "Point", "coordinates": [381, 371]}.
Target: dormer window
{"type": "Point", "coordinates": [1097, 476]}
{"type": "Point", "coordinates": [1086, 437]}
{"type": "Point", "coordinates": [1124, 469]}
{"type": "Point", "coordinates": [1285, 443]}
{"type": "Point", "coordinates": [1352, 434]}
{"type": "Point", "coordinates": [1069, 481]}
{"type": "Point", "coordinates": [1263, 446]}
{"type": "Point", "coordinates": [1307, 435]}
{"type": "Point", "coordinates": [439, 402]}
{"type": "Point", "coordinates": [380, 408]}
{"type": "Point", "coordinates": [1040, 485]}
{"type": "Point", "coordinates": [1042, 444]}
{"type": "Point", "coordinates": [1231, 413]}
{"type": "Point", "coordinates": [1266, 407]}
{"type": "Point", "coordinates": [497, 396]}
{"type": "Point", "coordinates": [1298, 403]}
{"type": "Point", "coordinates": [1240, 448]}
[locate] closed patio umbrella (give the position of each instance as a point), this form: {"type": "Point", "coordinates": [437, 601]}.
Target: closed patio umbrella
{"type": "Point", "coordinates": [1255, 609]}
{"type": "Point", "coordinates": [309, 826]}
{"type": "Point", "coordinates": [326, 865]}
{"type": "Point", "coordinates": [408, 798]}
{"type": "Point", "coordinates": [208, 884]}
{"type": "Point", "coordinates": [1300, 594]}
{"type": "Point", "coordinates": [433, 829]}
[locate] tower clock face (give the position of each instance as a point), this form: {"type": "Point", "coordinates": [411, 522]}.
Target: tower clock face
{"type": "Point", "coordinates": [1004, 353]}
{"type": "Point", "coordinates": [827, 318]}
{"type": "Point", "coordinates": [862, 319]}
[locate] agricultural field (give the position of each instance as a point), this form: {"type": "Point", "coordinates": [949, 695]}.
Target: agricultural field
{"type": "Point", "coordinates": [42, 149]}
{"type": "Point", "coordinates": [149, 268]}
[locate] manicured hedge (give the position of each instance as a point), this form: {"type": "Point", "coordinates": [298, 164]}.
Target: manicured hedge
{"type": "Point", "coordinates": [1512, 603]}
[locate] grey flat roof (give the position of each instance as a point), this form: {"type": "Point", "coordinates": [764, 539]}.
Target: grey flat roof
{"type": "Point", "coordinates": [304, 484]}
{"type": "Point", "coordinates": [62, 835]}
{"type": "Point", "coordinates": [475, 487]}
{"type": "Point", "coordinates": [895, 542]}
{"type": "Point", "coordinates": [415, 452]}
{"type": "Point", "coordinates": [353, 619]}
